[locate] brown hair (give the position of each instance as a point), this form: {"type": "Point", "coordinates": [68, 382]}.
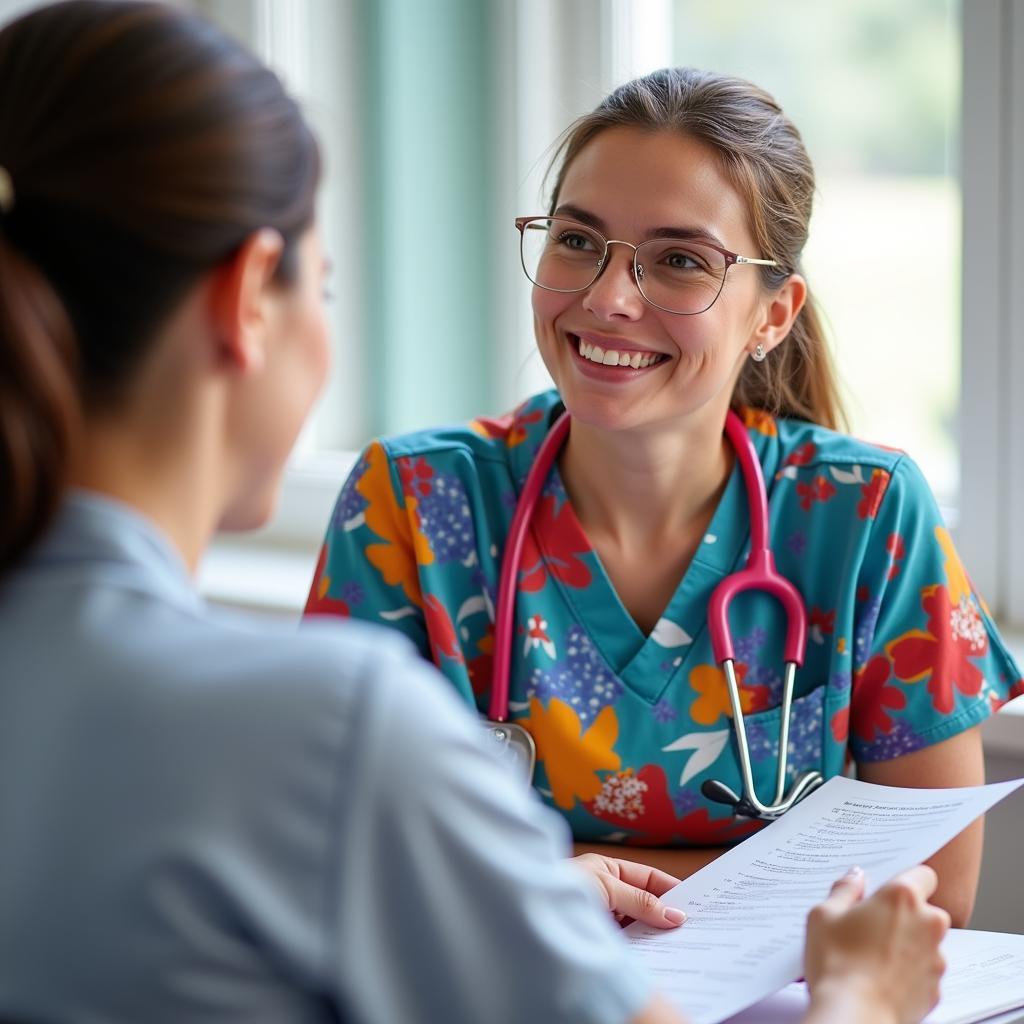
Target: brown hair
{"type": "Point", "coordinates": [143, 147]}
{"type": "Point", "coordinates": [764, 156]}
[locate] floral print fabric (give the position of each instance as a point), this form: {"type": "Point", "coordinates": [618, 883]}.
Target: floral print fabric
{"type": "Point", "coordinates": [901, 653]}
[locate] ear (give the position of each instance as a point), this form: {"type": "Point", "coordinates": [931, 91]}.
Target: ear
{"type": "Point", "coordinates": [239, 296]}
{"type": "Point", "coordinates": [779, 312]}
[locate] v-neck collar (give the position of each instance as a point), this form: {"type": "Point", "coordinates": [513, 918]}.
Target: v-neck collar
{"type": "Point", "coordinates": [645, 664]}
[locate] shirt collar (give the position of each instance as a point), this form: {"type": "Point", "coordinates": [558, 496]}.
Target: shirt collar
{"type": "Point", "coordinates": [99, 534]}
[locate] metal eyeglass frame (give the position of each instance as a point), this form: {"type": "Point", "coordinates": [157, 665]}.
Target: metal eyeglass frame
{"type": "Point", "coordinates": [522, 223]}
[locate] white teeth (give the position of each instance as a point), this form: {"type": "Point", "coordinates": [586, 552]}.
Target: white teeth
{"type": "Point", "coordinates": [611, 357]}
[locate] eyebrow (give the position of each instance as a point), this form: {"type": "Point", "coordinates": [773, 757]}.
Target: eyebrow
{"type": "Point", "coordinates": [669, 231]}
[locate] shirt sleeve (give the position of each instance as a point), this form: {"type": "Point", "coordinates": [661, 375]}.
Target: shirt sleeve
{"type": "Point", "coordinates": [455, 901]}
{"type": "Point", "coordinates": [928, 660]}
{"type": "Point", "coordinates": [368, 564]}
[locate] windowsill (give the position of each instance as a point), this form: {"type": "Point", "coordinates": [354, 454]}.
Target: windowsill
{"type": "Point", "coordinates": [263, 578]}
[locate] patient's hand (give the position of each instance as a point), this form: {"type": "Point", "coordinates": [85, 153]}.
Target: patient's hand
{"type": "Point", "coordinates": [631, 891]}
{"type": "Point", "coordinates": [875, 960]}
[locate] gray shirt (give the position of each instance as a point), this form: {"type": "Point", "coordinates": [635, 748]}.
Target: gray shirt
{"type": "Point", "coordinates": [208, 818]}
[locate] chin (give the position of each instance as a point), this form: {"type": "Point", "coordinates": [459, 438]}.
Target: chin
{"type": "Point", "coordinates": [252, 512]}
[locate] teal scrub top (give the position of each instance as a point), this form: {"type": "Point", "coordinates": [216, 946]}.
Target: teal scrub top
{"type": "Point", "coordinates": [206, 817]}
{"type": "Point", "coordinates": [901, 652]}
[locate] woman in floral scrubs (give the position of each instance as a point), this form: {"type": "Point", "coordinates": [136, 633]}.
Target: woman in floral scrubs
{"type": "Point", "coordinates": [645, 510]}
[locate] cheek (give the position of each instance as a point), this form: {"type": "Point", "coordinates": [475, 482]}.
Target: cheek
{"type": "Point", "coordinates": [547, 307]}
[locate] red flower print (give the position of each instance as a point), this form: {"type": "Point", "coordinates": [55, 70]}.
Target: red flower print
{"type": "Point", "coordinates": [496, 427]}
{"type": "Point", "coordinates": [480, 669]}
{"type": "Point", "coordinates": [955, 634]}
{"type": "Point", "coordinates": [318, 602]}
{"type": "Point", "coordinates": [871, 697]}
{"type": "Point", "coordinates": [841, 724]}
{"type": "Point", "coordinates": [640, 802]}
{"type": "Point", "coordinates": [872, 494]}
{"type": "Point", "coordinates": [509, 428]}
{"type": "Point", "coordinates": [894, 545]}
{"type": "Point", "coordinates": [819, 489]}
{"type": "Point", "coordinates": [825, 622]}
{"type": "Point", "coordinates": [562, 540]}
{"type": "Point", "coordinates": [803, 455]}
{"type": "Point", "coordinates": [415, 476]}
{"type": "Point", "coordinates": [443, 640]}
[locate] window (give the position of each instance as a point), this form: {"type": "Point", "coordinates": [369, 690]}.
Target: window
{"type": "Point", "coordinates": [438, 121]}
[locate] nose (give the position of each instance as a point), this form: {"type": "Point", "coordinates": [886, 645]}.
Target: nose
{"type": "Point", "coordinates": [615, 295]}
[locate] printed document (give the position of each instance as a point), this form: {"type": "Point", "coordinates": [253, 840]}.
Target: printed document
{"type": "Point", "coordinates": [743, 939]}
{"type": "Point", "coordinates": [984, 980]}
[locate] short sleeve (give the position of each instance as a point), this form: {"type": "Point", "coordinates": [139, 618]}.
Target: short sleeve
{"type": "Point", "coordinates": [928, 660]}
{"type": "Point", "coordinates": [456, 902]}
{"type": "Point", "coordinates": [367, 568]}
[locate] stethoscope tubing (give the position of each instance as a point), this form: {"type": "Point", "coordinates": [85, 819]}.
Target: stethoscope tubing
{"type": "Point", "coordinates": [759, 573]}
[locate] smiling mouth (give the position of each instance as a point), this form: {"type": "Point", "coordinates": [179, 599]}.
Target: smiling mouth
{"type": "Point", "coordinates": [613, 357]}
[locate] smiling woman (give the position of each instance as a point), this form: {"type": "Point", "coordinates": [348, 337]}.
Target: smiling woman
{"type": "Point", "coordinates": [669, 290]}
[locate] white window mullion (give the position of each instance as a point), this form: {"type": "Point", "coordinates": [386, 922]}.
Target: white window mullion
{"type": "Point", "coordinates": [982, 404]}
{"type": "Point", "coordinates": [1013, 338]}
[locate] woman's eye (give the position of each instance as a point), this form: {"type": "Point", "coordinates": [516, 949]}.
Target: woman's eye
{"type": "Point", "coordinates": [572, 240]}
{"type": "Point", "coordinates": [682, 261]}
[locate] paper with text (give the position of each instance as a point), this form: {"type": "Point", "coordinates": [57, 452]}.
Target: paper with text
{"type": "Point", "coordinates": [744, 936]}
{"type": "Point", "coordinates": [984, 978]}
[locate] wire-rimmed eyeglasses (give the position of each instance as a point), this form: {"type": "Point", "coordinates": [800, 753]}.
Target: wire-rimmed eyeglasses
{"type": "Point", "coordinates": [677, 275]}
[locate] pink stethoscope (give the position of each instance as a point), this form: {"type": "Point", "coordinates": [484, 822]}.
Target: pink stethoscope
{"type": "Point", "coordinates": [758, 574]}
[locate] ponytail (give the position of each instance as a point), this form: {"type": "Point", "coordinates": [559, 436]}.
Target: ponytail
{"type": "Point", "coordinates": [139, 149]}
{"type": "Point", "coordinates": [798, 378]}
{"type": "Point", "coordinates": [39, 406]}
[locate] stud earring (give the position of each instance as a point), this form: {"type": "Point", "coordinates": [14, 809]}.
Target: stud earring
{"type": "Point", "coordinates": [758, 354]}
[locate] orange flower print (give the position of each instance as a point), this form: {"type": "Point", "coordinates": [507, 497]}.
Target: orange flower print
{"type": "Point", "coordinates": [563, 541]}
{"type": "Point", "coordinates": [571, 759]}
{"type": "Point", "coordinates": [870, 699]}
{"type": "Point", "coordinates": [511, 428]}
{"type": "Point", "coordinates": [819, 489]}
{"type": "Point", "coordinates": [955, 634]}
{"type": "Point", "coordinates": [897, 550]}
{"type": "Point", "coordinates": [956, 575]}
{"type": "Point", "coordinates": [872, 494]}
{"type": "Point", "coordinates": [758, 419]}
{"type": "Point", "coordinates": [318, 602]}
{"type": "Point", "coordinates": [403, 547]}
{"type": "Point", "coordinates": [713, 702]}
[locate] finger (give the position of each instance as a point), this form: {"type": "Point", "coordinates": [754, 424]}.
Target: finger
{"type": "Point", "coordinates": [641, 905]}
{"type": "Point", "coordinates": [645, 877]}
{"type": "Point", "coordinates": [921, 880]}
{"type": "Point", "coordinates": [846, 891]}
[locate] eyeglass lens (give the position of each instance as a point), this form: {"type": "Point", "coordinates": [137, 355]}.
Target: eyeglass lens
{"type": "Point", "coordinates": [676, 274]}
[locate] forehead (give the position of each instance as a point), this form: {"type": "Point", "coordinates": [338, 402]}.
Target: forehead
{"type": "Point", "coordinates": [637, 181]}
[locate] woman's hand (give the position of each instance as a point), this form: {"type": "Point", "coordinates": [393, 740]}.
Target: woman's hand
{"type": "Point", "coordinates": [876, 960]}
{"type": "Point", "coordinates": [630, 891]}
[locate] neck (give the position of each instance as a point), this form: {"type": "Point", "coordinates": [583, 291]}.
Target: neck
{"type": "Point", "coordinates": [170, 477]}
{"type": "Point", "coordinates": [637, 488]}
